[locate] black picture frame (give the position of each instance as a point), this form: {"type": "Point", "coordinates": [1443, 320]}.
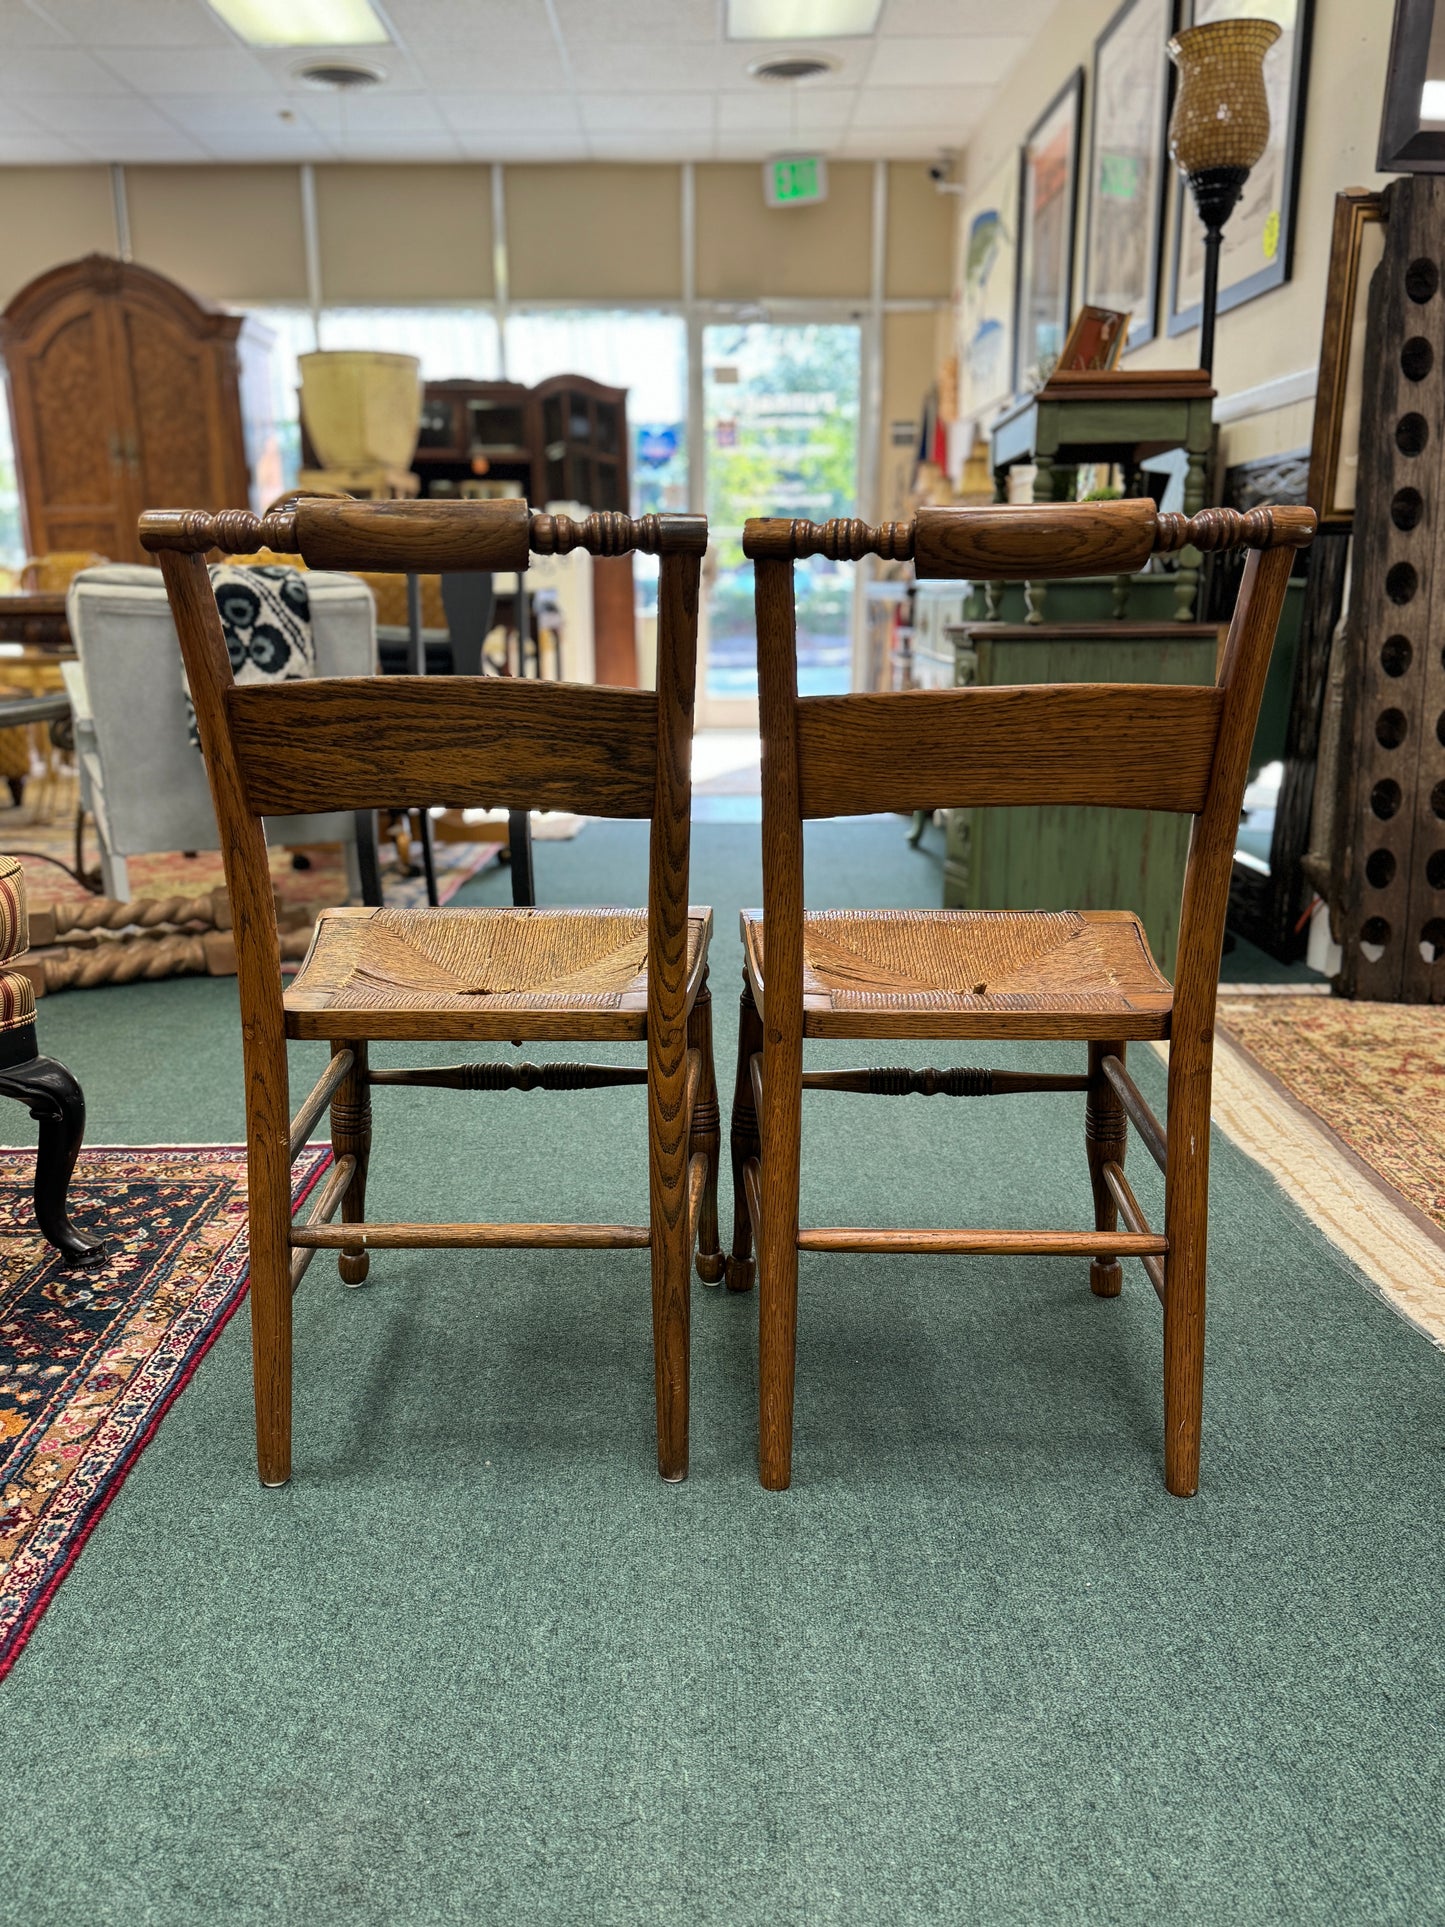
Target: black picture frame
{"type": "Point", "coordinates": [1070, 94]}
{"type": "Point", "coordinates": [1275, 273]}
{"type": "Point", "coordinates": [1406, 147]}
{"type": "Point", "coordinates": [1144, 326]}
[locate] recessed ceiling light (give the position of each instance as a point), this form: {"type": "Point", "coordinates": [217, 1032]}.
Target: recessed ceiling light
{"type": "Point", "coordinates": [303, 23]}
{"type": "Point", "coordinates": [801, 19]}
{"type": "Point", "coordinates": [339, 76]}
{"type": "Point", "coordinates": [792, 67]}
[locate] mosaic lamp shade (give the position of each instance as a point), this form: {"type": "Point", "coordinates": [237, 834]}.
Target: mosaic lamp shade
{"type": "Point", "coordinates": [1219, 129]}
{"type": "Point", "coordinates": [1221, 115]}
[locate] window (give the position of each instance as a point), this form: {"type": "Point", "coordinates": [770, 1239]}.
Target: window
{"type": "Point", "coordinates": [12, 539]}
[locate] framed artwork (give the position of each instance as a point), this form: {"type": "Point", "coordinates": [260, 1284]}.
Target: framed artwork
{"type": "Point", "coordinates": [1047, 199]}
{"type": "Point", "coordinates": [987, 256]}
{"type": "Point", "coordinates": [1129, 164]}
{"type": "Point", "coordinates": [1412, 125]}
{"type": "Point", "coordinates": [1357, 245]}
{"type": "Point", "coordinates": [1258, 245]}
{"type": "Point", "coordinates": [1095, 341]}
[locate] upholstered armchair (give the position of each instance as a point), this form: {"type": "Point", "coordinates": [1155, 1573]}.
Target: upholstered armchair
{"type": "Point", "coordinates": [46, 1088]}
{"type": "Point", "coordinates": [141, 776]}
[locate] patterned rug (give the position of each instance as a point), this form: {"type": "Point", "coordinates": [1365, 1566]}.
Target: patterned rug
{"type": "Point", "coordinates": [1373, 1073]}
{"type": "Point", "coordinates": [90, 1361]}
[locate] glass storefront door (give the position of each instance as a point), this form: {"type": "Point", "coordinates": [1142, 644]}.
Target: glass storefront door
{"type": "Point", "coordinates": [780, 406]}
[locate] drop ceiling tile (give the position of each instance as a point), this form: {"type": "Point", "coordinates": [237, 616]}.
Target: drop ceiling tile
{"type": "Point", "coordinates": [476, 23]}
{"type": "Point", "coordinates": [62, 70]}
{"type": "Point", "coordinates": [294, 144]}
{"type": "Point", "coordinates": [190, 70]}
{"type": "Point", "coordinates": [679, 20]}
{"type": "Point", "coordinates": [539, 114]}
{"type": "Point", "coordinates": [251, 116]}
{"type": "Point", "coordinates": [139, 23]}
{"type": "Point", "coordinates": [38, 150]}
{"type": "Point", "coordinates": [378, 111]}
{"type": "Point", "coordinates": [899, 143]}
{"type": "Point", "coordinates": [490, 69]}
{"type": "Point", "coordinates": [978, 61]}
{"type": "Point", "coordinates": [511, 146]}
{"type": "Point", "coordinates": [20, 27]}
{"type": "Point", "coordinates": [358, 146]}
{"type": "Point", "coordinates": [647, 67]}
{"type": "Point", "coordinates": [109, 114]}
{"type": "Point", "coordinates": [140, 149]}
{"type": "Point", "coordinates": [905, 107]}
{"type": "Point", "coordinates": [777, 109]}
{"type": "Point", "coordinates": [650, 115]}
{"type": "Point", "coordinates": [651, 147]}
{"type": "Point", "coordinates": [949, 19]}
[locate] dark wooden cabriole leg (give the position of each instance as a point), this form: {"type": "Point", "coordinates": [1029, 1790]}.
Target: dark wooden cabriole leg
{"type": "Point", "coordinates": [745, 1141]}
{"type": "Point", "coordinates": [1106, 1131]}
{"type": "Point", "coordinates": [351, 1137]}
{"type": "Point", "coordinates": [56, 1102]}
{"type": "Point", "coordinates": [705, 1135]}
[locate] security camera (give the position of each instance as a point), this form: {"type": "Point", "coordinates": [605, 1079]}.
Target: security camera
{"type": "Point", "coordinates": [941, 173]}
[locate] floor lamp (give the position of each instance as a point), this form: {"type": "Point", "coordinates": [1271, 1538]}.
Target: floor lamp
{"type": "Point", "coordinates": [1219, 129]}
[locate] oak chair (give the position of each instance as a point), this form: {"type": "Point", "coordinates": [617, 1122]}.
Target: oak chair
{"type": "Point", "coordinates": [457, 974]}
{"type": "Point", "coordinates": [957, 974]}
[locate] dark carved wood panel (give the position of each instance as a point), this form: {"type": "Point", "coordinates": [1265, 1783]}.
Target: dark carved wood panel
{"type": "Point", "coordinates": [1391, 858]}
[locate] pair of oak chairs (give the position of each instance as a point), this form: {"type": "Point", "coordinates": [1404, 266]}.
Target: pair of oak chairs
{"type": "Point", "coordinates": [498, 975]}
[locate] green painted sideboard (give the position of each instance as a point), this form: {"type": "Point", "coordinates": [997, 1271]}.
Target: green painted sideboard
{"type": "Point", "coordinates": [1058, 857]}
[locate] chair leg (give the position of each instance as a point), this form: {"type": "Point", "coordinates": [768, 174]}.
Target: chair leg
{"type": "Point", "coordinates": [1106, 1132]}
{"type": "Point", "coordinates": [671, 1298]}
{"type": "Point", "coordinates": [705, 1135]}
{"type": "Point", "coordinates": [745, 1141]}
{"type": "Point", "coordinates": [55, 1100]}
{"type": "Point", "coordinates": [351, 1137]}
{"type": "Point", "coordinates": [1186, 1225]}
{"type": "Point", "coordinates": [778, 1266]}
{"type": "Point", "coordinates": [268, 1171]}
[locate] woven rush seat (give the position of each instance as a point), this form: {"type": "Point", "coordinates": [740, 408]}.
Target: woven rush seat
{"type": "Point", "coordinates": [472, 973]}
{"type": "Point", "coordinates": [963, 973]}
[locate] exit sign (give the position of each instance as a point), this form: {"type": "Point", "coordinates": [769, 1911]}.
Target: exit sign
{"type": "Point", "coordinates": [798, 180]}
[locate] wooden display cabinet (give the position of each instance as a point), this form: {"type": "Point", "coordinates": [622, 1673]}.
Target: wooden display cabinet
{"type": "Point", "coordinates": [125, 392]}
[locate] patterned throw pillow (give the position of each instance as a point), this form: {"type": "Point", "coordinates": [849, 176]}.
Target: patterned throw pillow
{"type": "Point", "coordinates": [266, 620]}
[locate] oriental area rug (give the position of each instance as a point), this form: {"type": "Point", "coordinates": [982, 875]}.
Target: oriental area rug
{"type": "Point", "coordinates": [1374, 1074]}
{"type": "Point", "coordinates": [90, 1361]}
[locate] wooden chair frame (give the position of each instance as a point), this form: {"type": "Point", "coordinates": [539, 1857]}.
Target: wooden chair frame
{"type": "Point", "coordinates": [1137, 747]}
{"type": "Point", "coordinates": [414, 740]}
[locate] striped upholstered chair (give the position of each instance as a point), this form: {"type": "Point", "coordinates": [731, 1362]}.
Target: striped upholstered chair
{"type": "Point", "coordinates": [46, 1088]}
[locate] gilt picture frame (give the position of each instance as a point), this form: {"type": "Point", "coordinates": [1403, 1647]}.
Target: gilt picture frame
{"type": "Point", "coordinates": [1357, 244]}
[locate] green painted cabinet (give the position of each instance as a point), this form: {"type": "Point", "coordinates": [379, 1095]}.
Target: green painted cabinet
{"type": "Point", "coordinates": [1058, 857]}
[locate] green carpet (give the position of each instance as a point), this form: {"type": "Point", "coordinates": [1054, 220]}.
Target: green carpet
{"type": "Point", "coordinates": [477, 1664]}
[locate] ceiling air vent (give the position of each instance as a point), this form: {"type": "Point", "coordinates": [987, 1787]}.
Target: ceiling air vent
{"type": "Point", "coordinates": [343, 76]}
{"type": "Point", "coordinates": [791, 67]}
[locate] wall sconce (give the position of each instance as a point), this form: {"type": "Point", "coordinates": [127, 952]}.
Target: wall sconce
{"type": "Point", "coordinates": [1219, 129]}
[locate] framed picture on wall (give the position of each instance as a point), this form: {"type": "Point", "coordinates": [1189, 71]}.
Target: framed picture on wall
{"type": "Point", "coordinates": [1259, 240]}
{"type": "Point", "coordinates": [1412, 124]}
{"type": "Point", "coordinates": [1357, 246]}
{"type": "Point", "coordinates": [1128, 165]}
{"type": "Point", "coordinates": [1047, 199]}
{"type": "Point", "coordinates": [988, 257]}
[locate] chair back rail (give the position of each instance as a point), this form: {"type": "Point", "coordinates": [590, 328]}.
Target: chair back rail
{"type": "Point", "coordinates": [487, 742]}
{"type": "Point", "coordinates": [1141, 746]}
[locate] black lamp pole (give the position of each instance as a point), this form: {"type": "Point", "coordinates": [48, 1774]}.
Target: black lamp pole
{"type": "Point", "coordinates": [1216, 192]}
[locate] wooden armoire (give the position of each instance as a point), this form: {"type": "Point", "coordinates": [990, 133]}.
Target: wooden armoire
{"type": "Point", "coordinates": [125, 394]}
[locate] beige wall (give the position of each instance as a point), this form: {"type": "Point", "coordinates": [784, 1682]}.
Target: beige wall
{"type": "Point", "coordinates": [1277, 333]}
{"type": "Point", "coordinates": [49, 215]}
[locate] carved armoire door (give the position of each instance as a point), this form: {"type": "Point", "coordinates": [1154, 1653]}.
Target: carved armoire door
{"type": "Point", "coordinates": [125, 395]}
{"type": "Point", "coordinates": [67, 417]}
